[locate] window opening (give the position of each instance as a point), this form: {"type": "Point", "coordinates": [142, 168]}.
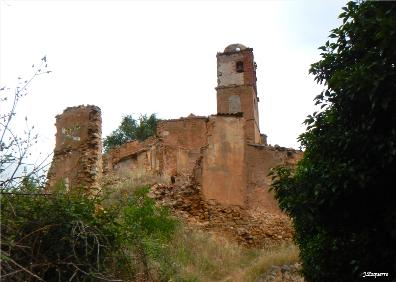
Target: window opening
{"type": "Point", "coordinates": [239, 66]}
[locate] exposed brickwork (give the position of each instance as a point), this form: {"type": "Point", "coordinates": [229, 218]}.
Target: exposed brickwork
{"type": "Point", "coordinates": [249, 74]}
{"type": "Point", "coordinates": [77, 156]}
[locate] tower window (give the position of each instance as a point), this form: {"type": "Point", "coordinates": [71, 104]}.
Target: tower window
{"type": "Point", "coordinates": [239, 66]}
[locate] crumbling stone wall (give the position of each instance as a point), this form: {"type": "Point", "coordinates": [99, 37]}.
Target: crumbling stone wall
{"type": "Point", "coordinates": [168, 156]}
{"type": "Point", "coordinates": [128, 149]}
{"type": "Point", "coordinates": [260, 160]}
{"type": "Point", "coordinates": [230, 169]}
{"type": "Point", "coordinates": [135, 160]}
{"type": "Point", "coordinates": [182, 141]}
{"type": "Point", "coordinates": [125, 156]}
{"type": "Point", "coordinates": [77, 159]}
{"type": "Point", "coordinates": [226, 153]}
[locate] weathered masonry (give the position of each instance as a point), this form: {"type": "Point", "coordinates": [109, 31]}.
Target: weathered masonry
{"type": "Point", "coordinates": [237, 89]}
{"type": "Point", "coordinates": [224, 153]}
{"type": "Point", "coordinates": [77, 159]}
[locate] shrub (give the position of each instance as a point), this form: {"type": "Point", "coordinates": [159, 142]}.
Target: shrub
{"type": "Point", "coordinates": [67, 236]}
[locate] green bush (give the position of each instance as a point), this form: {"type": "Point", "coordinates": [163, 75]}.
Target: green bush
{"type": "Point", "coordinates": [342, 194]}
{"type": "Point", "coordinates": [67, 236]}
{"type": "Point", "coordinates": [131, 129]}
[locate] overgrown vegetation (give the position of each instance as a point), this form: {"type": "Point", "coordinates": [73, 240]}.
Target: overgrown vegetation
{"type": "Point", "coordinates": [341, 194]}
{"type": "Point", "coordinates": [196, 255]}
{"type": "Point", "coordinates": [202, 256]}
{"type": "Point", "coordinates": [118, 236]}
{"type": "Point", "coordinates": [131, 129]}
{"type": "Point", "coordinates": [71, 237]}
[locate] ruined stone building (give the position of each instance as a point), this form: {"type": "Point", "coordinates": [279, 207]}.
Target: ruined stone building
{"type": "Point", "coordinates": [77, 157]}
{"type": "Point", "coordinates": [225, 153]}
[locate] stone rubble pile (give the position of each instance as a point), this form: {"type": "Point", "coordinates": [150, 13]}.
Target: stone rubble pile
{"type": "Point", "coordinates": [247, 227]}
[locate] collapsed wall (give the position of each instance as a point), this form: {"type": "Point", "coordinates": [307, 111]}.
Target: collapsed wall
{"type": "Point", "coordinates": [168, 157]}
{"type": "Point", "coordinates": [77, 160]}
{"type": "Point", "coordinates": [134, 159]}
{"type": "Point", "coordinates": [204, 168]}
{"type": "Point", "coordinates": [214, 151]}
{"type": "Point", "coordinates": [214, 168]}
{"type": "Point", "coordinates": [225, 153]}
{"type": "Point", "coordinates": [246, 226]}
{"type": "Point", "coordinates": [211, 176]}
{"type": "Point", "coordinates": [260, 160]}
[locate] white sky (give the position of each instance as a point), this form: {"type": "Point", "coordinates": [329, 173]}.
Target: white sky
{"type": "Point", "coordinates": [132, 57]}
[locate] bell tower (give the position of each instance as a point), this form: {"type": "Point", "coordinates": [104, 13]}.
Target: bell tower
{"type": "Point", "coordinates": [236, 87]}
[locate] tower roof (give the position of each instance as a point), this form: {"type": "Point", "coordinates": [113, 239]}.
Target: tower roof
{"type": "Point", "coordinates": [234, 48]}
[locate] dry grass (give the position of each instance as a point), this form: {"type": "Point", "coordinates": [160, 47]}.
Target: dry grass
{"type": "Point", "coordinates": [203, 257]}
{"type": "Point", "coordinates": [279, 255]}
{"type": "Point", "coordinates": [195, 255]}
{"type": "Point", "coordinates": [200, 256]}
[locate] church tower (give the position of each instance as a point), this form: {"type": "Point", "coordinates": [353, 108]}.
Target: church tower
{"type": "Point", "coordinates": [236, 87]}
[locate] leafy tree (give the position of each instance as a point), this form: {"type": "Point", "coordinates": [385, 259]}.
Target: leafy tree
{"type": "Point", "coordinates": [341, 195]}
{"type": "Point", "coordinates": [131, 129]}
